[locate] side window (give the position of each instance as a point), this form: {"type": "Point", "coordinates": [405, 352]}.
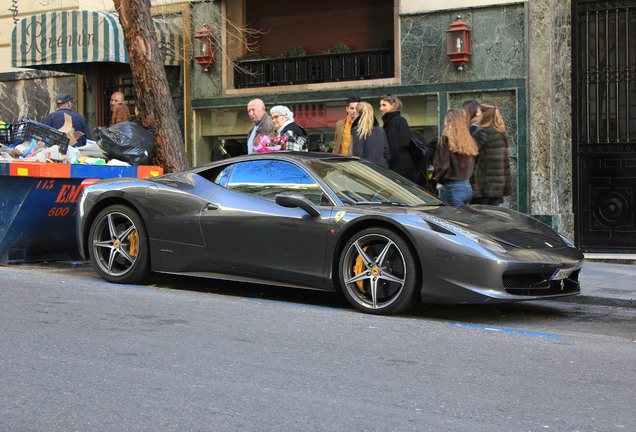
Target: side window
{"type": "Point", "coordinates": [223, 176]}
{"type": "Point", "coordinates": [218, 175]}
{"type": "Point", "coordinates": [266, 178]}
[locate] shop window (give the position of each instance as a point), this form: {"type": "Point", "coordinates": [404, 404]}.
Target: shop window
{"type": "Point", "coordinates": [222, 132]}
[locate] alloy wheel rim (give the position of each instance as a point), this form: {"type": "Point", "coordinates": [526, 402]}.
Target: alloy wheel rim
{"type": "Point", "coordinates": [381, 279]}
{"type": "Point", "coordinates": [115, 244]}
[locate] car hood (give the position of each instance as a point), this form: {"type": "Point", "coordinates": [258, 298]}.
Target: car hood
{"type": "Point", "coordinates": [501, 224]}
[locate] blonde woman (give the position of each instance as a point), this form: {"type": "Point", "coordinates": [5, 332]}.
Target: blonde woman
{"type": "Point", "coordinates": [454, 159]}
{"type": "Point", "coordinates": [368, 139]}
{"type": "Point", "coordinates": [492, 173]}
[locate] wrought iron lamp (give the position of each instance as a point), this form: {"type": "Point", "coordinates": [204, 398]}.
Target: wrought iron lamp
{"type": "Point", "coordinates": [204, 47]}
{"type": "Point", "coordinates": [458, 43]}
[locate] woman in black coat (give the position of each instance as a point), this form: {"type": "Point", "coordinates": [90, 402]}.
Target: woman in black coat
{"type": "Point", "coordinates": [398, 133]}
{"type": "Point", "coordinates": [368, 138]}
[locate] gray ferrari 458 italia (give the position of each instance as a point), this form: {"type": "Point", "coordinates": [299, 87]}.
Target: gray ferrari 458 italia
{"type": "Point", "coordinates": [321, 221]}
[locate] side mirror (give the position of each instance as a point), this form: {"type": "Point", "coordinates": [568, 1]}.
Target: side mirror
{"type": "Point", "coordinates": [296, 200]}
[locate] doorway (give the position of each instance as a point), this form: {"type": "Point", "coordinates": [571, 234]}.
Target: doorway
{"type": "Point", "coordinates": [604, 123]}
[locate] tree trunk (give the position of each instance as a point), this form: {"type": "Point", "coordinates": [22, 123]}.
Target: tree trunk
{"type": "Point", "coordinates": [153, 93]}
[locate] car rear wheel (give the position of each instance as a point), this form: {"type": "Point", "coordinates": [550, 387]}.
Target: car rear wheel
{"type": "Point", "coordinates": [378, 273]}
{"type": "Point", "coordinates": [118, 245]}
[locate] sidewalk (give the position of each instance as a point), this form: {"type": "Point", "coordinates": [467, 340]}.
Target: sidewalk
{"type": "Point", "coordinates": [607, 284]}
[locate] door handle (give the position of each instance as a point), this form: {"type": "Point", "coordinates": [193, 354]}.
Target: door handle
{"type": "Point", "coordinates": [212, 206]}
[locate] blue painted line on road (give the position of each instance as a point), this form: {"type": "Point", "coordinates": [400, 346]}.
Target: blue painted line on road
{"type": "Point", "coordinates": [118, 285]}
{"type": "Point", "coordinates": [506, 330]}
{"type": "Point", "coordinates": [293, 304]}
{"type": "Point", "coordinates": [4, 272]}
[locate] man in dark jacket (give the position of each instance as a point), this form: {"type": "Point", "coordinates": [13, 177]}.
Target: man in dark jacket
{"type": "Point", "coordinates": [56, 119]}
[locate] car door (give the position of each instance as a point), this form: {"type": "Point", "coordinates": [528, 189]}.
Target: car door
{"type": "Point", "coordinates": [247, 233]}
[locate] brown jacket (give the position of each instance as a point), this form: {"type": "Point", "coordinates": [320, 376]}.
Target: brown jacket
{"type": "Point", "coordinates": [451, 166]}
{"type": "Point", "coordinates": [265, 127]}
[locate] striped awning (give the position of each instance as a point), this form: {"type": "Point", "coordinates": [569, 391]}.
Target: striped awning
{"type": "Point", "coordinates": [66, 40]}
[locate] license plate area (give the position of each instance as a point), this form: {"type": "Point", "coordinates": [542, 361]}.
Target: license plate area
{"type": "Point", "coordinates": [561, 274]}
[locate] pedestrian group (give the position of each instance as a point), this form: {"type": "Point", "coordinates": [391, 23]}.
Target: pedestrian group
{"type": "Point", "coordinates": [470, 164]}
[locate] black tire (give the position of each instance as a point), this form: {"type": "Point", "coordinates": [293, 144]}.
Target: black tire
{"type": "Point", "coordinates": [378, 273]}
{"type": "Point", "coordinates": [118, 245]}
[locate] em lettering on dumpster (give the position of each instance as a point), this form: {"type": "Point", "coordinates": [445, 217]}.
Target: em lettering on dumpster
{"type": "Point", "coordinates": [68, 194]}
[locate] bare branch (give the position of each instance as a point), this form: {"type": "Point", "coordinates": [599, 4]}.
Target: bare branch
{"type": "Point", "coordinates": [237, 37]}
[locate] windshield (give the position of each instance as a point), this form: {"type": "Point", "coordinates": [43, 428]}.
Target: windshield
{"type": "Point", "coordinates": [357, 182]}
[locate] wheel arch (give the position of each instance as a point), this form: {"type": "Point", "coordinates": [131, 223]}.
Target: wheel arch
{"type": "Point", "coordinates": [363, 224]}
{"type": "Point", "coordinates": [96, 209]}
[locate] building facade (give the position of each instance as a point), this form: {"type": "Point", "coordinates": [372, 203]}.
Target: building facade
{"type": "Point", "coordinates": [560, 71]}
{"type": "Point", "coordinates": [523, 58]}
{"type": "Point", "coordinates": [78, 47]}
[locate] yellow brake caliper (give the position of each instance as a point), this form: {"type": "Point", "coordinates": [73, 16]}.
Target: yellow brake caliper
{"type": "Point", "coordinates": [134, 244]}
{"type": "Point", "coordinates": [358, 268]}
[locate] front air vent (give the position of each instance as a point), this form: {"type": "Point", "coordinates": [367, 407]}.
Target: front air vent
{"type": "Point", "coordinates": [538, 284]}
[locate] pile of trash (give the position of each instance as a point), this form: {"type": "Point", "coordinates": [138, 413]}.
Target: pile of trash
{"type": "Point", "coordinates": [123, 144]}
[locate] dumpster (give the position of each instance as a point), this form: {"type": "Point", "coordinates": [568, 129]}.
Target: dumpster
{"type": "Point", "coordinates": [38, 202]}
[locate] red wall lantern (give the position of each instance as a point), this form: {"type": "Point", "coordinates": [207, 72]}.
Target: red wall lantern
{"type": "Point", "coordinates": [458, 43]}
{"type": "Point", "coordinates": [204, 47]}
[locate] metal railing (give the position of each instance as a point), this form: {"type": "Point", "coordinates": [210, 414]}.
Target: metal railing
{"type": "Point", "coordinates": [355, 65]}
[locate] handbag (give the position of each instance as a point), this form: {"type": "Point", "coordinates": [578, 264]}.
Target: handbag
{"type": "Point", "coordinates": [419, 150]}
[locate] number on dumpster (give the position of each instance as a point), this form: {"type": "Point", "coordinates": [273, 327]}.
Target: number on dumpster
{"type": "Point", "coordinates": [45, 184]}
{"type": "Point", "coordinates": [58, 211]}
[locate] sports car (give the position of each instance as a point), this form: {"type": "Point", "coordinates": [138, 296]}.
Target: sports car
{"type": "Point", "coordinates": [326, 222]}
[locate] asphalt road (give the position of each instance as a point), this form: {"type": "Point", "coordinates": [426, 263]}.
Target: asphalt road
{"type": "Point", "coordinates": [79, 354]}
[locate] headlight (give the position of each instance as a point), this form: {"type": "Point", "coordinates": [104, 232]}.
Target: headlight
{"type": "Point", "coordinates": [449, 227]}
{"type": "Point", "coordinates": [567, 242]}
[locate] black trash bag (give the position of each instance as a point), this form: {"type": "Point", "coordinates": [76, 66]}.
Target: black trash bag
{"type": "Point", "coordinates": [129, 142]}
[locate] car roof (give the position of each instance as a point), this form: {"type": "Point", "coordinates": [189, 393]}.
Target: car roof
{"type": "Point", "coordinates": [299, 156]}
{"type": "Point", "coordinates": [302, 155]}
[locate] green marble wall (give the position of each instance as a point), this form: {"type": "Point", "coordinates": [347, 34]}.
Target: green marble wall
{"type": "Point", "coordinates": [530, 42]}
{"type": "Point", "coordinates": [497, 46]}
{"type": "Point", "coordinates": [550, 112]}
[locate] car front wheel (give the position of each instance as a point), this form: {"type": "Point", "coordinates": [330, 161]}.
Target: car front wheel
{"type": "Point", "coordinates": [377, 272]}
{"type": "Point", "coordinates": [118, 245]}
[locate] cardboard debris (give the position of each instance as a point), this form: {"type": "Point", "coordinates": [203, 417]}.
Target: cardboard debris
{"type": "Point", "coordinates": [92, 150]}
{"type": "Point", "coordinates": [53, 154]}
{"type": "Point", "coordinates": [67, 128]}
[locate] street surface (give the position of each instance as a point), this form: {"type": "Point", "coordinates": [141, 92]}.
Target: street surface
{"type": "Point", "coordinates": [185, 354]}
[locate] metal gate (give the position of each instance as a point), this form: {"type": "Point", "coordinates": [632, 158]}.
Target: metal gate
{"type": "Point", "coordinates": [604, 122]}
